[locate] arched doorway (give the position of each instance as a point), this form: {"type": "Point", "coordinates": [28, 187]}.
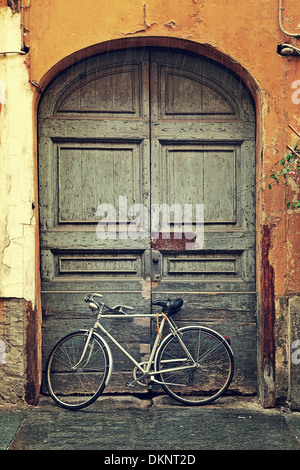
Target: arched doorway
{"type": "Point", "coordinates": [120, 135]}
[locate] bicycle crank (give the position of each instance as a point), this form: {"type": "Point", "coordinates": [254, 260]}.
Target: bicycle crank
{"type": "Point", "coordinates": [139, 377]}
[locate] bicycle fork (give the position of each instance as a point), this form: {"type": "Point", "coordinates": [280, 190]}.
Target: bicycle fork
{"type": "Point", "coordinates": [83, 362]}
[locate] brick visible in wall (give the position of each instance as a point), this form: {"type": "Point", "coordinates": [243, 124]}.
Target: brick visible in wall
{"type": "Point", "coordinates": [19, 372]}
{"type": "Point", "coordinates": [12, 372]}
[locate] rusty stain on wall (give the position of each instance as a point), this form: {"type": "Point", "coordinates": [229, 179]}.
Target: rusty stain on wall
{"type": "Point", "coordinates": [268, 319]}
{"type": "Point", "coordinates": [172, 241]}
{"type": "Point", "coordinates": [31, 353]}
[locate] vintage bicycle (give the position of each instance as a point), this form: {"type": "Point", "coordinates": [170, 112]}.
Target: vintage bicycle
{"type": "Point", "coordinates": [193, 364]}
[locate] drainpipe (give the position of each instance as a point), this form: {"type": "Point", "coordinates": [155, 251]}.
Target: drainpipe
{"type": "Point", "coordinates": [23, 29]}
{"type": "Point", "coordinates": [24, 49]}
{"type": "Point", "coordinates": [280, 9]}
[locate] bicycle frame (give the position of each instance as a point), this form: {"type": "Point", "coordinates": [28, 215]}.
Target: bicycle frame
{"type": "Point", "coordinates": [197, 357]}
{"type": "Point", "coordinates": [146, 372]}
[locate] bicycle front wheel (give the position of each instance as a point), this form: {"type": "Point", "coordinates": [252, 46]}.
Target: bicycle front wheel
{"type": "Point", "coordinates": [76, 372]}
{"type": "Point", "coordinates": [197, 367]}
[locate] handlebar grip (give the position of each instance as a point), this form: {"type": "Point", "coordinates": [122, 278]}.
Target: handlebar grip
{"type": "Point", "coordinates": [89, 297]}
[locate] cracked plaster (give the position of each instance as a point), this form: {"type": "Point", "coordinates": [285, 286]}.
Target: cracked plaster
{"type": "Point", "coordinates": [17, 223]}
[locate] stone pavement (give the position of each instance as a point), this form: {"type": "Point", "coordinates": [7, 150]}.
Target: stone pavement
{"type": "Point", "coordinates": [128, 423]}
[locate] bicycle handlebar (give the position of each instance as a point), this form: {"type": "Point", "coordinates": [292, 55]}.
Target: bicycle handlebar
{"type": "Point", "coordinates": [90, 298]}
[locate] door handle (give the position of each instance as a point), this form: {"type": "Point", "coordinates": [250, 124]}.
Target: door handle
{"type": "Point", "coordinates": [155, 260]}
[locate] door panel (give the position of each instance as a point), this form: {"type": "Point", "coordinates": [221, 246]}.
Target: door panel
{"type": "Point", "coordinates": [112, 92]}
{"type": "Point", "coordinates": [188, 172]}
{"type": "Point", "coordinates": [157, 127]}
{"type": "Point", "coordinates": [83, 172]}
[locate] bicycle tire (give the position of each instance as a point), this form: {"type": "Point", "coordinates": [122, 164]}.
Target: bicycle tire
{"type": "Point", "coordinates": [77, 388]}
{"type": "Point", "coordinates": [201, 384]}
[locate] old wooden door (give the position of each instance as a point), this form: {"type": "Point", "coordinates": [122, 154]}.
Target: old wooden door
{"type": "Point", "coordinates": [123, 133]}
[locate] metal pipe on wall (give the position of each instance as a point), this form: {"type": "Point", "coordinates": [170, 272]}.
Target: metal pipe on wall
{"type": "Point", "coordinates": [280, 9]}
{"type": "Point", "coordinates": [23, 49]}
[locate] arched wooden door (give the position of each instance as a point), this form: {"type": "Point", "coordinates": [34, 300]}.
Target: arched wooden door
{"type": "Point", "coordinates": [122, 134]}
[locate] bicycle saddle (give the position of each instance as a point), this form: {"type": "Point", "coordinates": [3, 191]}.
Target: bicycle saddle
{"type": "Point", "coordinates": [169, 306]}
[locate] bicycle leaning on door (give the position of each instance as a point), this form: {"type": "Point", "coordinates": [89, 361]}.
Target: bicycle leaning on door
{"type": "Point", "coordinates": [193, 364]}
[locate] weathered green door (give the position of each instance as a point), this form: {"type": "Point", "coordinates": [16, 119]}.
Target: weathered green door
{"type": "Point", "coordinates": [125, 132]}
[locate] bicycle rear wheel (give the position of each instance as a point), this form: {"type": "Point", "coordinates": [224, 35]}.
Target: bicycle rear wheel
{"type": "Point", "coordinates": [75, 381]}
{"type": "Point", "coordinates": [202, 374]}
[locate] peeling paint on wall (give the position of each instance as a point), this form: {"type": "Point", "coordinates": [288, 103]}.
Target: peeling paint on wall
{"type": "Point", "coordinates": [146, 288]}
{"type": "Point", "coordinates": [18, 371]}
{"type": "Point", "coordinates": [17, 223]}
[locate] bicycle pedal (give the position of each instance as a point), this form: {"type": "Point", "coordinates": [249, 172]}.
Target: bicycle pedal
{"type": "Point", "coordinates": [129, 384]}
